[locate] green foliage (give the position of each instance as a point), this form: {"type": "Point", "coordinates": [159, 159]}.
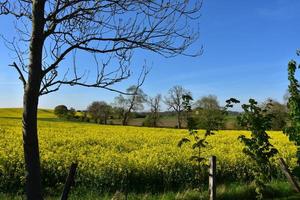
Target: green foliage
{"type": "Point", "coordinates": [293, 130]}
{"type": "Point", "coordinates": [71, 114]}
{"type": "Point", "coordinates": [279, 112]}
{"type": "Point", "coordinates": [210, 119]}
{"type": "Point", "coordinates": [100, 111]}
{"type": "Point", "coordinates": [150, 121]}
{"type": "Point", "coordinates": [209, 114]}
{"type": "Point", "coordinates": [198, 143]}
{"type": "Point", "coordinates": [278, 190]}
{"type": "Point", "coordinates": [61, 111]}
{"type": "Point", "coordinates": [258, 147]}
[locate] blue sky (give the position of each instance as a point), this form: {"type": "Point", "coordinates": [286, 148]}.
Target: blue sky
{"type": "Point", "coordinates": [247, 45]}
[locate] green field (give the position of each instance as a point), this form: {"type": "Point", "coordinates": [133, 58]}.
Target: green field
{"type": "Point", "coordinates": [124, 158]}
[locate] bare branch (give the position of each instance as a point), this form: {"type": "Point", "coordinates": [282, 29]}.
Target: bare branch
{"type": "Point", "coordinates": [111, 28]}
{"type": "Point", "coordinates": [18, 9]}
{"type": "Point", "coordinates": [20, 74]}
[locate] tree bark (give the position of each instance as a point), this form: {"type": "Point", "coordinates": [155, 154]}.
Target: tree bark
{"type": "Point", "coordinates": [128, 112]}
{"type": "Point", "coordinates": [105, 119]}
{"type": "Point", "coordinates": [30, 144]}
{"type": "Point", "coordinates": [33, 185]}
{"type": "Point", "coordinates": [179, 119]}
{"type": "Point", "coordinates": [125, 119]}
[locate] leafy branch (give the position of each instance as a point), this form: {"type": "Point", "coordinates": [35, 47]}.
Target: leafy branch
{"type": "Point", "coordinates": [258, 147]}
{"type": "Point", "coordinates": [293, 130]}
{"type": "Point", "coordinates": [198, 143]}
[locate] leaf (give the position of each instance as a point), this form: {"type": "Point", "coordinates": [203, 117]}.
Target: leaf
{"type": "Point", "coordinates": [208, 133]}
{"type": "Point", "coordinates": [182, 141]}
{"type": "Point", "coordinates": [252, 102]}
{"type": "Point", "coordinates": [232, 100]}
{"type": "Point", "coordinates": [199, 144]}
{"type": "Point", "coordinates": [197, 158]}
{"type": "Point", "coordinates": [187, 97]}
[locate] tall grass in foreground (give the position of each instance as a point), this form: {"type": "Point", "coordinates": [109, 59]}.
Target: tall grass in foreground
{"type": "Point", "coordinates": [234, 191]}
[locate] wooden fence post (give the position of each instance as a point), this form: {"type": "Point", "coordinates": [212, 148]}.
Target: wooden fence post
{"type": "Point", "coordinates": [69, 181]}
{"type": "Point", "coordinates": [212, 178]}
{"type": "Point", "coordinates": [289, 175]}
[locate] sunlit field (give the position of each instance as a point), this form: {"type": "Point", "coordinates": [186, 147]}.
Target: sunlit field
{"type": "Point", "coordinates": [114, 158]}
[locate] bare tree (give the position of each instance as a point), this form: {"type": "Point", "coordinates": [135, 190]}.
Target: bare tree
{"type": "Point", "coordinates": [174, 102]}
{"type": "Point", "coordinates": [130, 103]}
{"type": "Point", "coordinates": [52, 32]}
{"type": "Point", "coordinates": [154, 103]}
{"type": "Point", "coordinates": [119, 106]}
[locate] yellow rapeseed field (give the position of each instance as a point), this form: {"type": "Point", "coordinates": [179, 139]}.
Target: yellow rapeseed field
{"type": "Point", "coordinates": [112, 157]}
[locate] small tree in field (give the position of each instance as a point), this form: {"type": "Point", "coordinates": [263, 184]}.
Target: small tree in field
{"type": "Point", "coordinates": [53, 32]}
{"type": "Point", "coordinates": [258, 147]}
{"type": "Point", "coordinates": [209, 113]}
{"type": "Point", "coordinates": [61, 111]}
{"type": "Point", "coordinates": [71, 114]}
{"type": "Point", "coordinates": [153, 118]}
{"type": "Point", "coordinates": [99, 111]}
{"type": "Point", "coordinates": [130, 103]}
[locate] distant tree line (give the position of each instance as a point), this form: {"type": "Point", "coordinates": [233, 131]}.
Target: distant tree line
{"type": "Point", "coordinates": [206, 110]}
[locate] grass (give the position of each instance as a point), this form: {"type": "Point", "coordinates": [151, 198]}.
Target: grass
{"type": "Point", "coordinates": [234, 191]}
{"type": "Point", "coordinates": [48, 115]}
{"type": "Point", "coordinates": [17, 113]}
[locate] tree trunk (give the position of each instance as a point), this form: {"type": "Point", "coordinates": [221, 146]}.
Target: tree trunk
{"type": "Point", "coordinates": [30, 104]}
{"type": "Point", "coordinates": [125, 119]}
{"type": "Point", "coordinates": [105, 118]}
{"type": "Point", "coordinates": [30, 144]}
{"type": "Point", "coordinates": [179, 119]}
{"type": "Point", "coordinates": [155, 119]}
